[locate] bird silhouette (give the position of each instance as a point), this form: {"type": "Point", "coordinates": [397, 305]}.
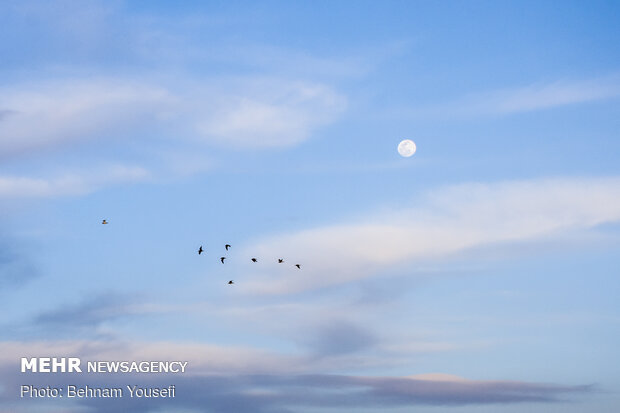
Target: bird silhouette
{"type": "Point", "coordinates": [254, 260]}
{"type": "Point", "coordinates": [231, 282]}
{"type": "Point", "coordinates": [298, 266]}
{"type": "Point", "coordinates": [222, 259]}
{"type": "Point", "coordinates": [104, 222]}
{"type": "Point", "coordinates": [200, 250]}
{"type": "Point", "coordinates": [227, 246]}
{"type": "Point", "coordinates": [280, 260]}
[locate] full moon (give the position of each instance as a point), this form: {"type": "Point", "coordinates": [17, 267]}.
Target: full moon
{"type": "Point", "coordinates": [406, 148]}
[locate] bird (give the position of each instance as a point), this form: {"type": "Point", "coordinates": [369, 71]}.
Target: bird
{"type": "Point", "coordinates": [227, 246]}
{"type": "Point", "coordinates": [104, 222]}
{"type": "Point", "coordinates": [200, 250]}
{"type": "Point", "coordinates": [231, 282]}
{"type": "Point", "coordinates": [280, 260]}
{"type": "Point", "coordinates": [298, 266]}
{"type": "Point", "coordinates": [254, 260]}
{"type": "Point", "coordinates": [222, 259]}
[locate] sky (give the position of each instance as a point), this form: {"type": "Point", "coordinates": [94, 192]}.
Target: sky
{"type": "Point", "coordinates": [478, 275]}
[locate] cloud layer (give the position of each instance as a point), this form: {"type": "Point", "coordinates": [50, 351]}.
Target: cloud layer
{"type": "Point", "coordinates": [142, 119]}
{"type": "Point", "coordinates": [446, 222]}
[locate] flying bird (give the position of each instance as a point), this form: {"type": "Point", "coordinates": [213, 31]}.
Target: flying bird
{"type": "Point", "coordinates": [227, 246]}
{"type": "Point", "coordinates": [222, 259]}
{"type": "Point", "coordinates": [280, 260]}
{"type": "Point", "coordinates": [200, 250]}
{"type": "Point", "coordinates": [298, 266]}
{"type": "Point", "coordinates": [254, 260]}
{"type": "Point", "coordinates": [231, 282]}
{"type": "Point", "coordinates": [104, 222]}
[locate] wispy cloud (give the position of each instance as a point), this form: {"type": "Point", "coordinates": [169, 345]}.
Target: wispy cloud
{"type": "Point", "coordinates": [75, 183]}
{"type": "Point", "coordinates": [549, 95]}
{"type": "Point", "coordinates": [268, 113]}
{"type": "Point", "coordinates": [447, 221]}
{"type": "Point", "coordinates": [239, 112]}
{"type": "Point", "coordinates": [532, 97]}
{"type": "Point", "coordinates": [277, 394]}
{"type": "Point", "coordinates": [59, 112]}
{"type": "Point", "coordinates": [108, 115]}
{"type": "Point", "coordinates": [89, 313]}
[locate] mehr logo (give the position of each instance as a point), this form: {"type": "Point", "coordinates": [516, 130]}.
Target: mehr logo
{"type": "Point", "coordinates": [51, 365]}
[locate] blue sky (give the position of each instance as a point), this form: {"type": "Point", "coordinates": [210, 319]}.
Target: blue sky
{"type": "Point", "coordinates": [478, 275]}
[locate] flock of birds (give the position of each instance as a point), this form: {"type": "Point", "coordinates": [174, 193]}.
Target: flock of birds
{"type": "Point", "coordinates": [222, 259]}
{"type": "Point", "coordinates": [253, 259]}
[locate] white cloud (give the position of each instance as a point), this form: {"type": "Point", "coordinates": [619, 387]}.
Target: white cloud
{"type": "Point", "coordinates": [238, 112]}
{"type": "Point", "coordinates": [543, 96]}
{"type": "Point", "coordinates": [536, 96]}
{"type": "Point", "coordinates": [69, 183]}
{"type": "Point", "coordinates": [267, 113]}
{"type": "Point", "coordinates": [59, 112]}
{"type": "Point", "coordinates": [446, 222]}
